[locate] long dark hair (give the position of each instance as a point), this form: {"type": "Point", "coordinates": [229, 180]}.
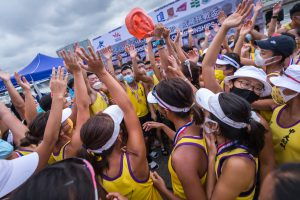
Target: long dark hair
{"type": "Point", "coordinates": [239, 110]}
{"type": "Point", "coordinates": [176, 92]}
{"type": "Point", "coordinates": [193, 73]}
{"type": "Point", "coordinates": [36, 130]}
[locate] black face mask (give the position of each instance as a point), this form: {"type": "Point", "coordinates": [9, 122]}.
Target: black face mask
{"type": "Point", "coordinates": [248, 95]}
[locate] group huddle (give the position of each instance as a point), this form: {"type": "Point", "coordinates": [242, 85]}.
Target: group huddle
{"type": "Point", "coordinates": [230, 112]}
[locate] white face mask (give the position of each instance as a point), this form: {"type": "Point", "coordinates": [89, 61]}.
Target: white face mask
{"type": "Point", "coordinates": [260, 61]}
{"type": "Point", "coordinates": [97, 85]}
{"type": "Point", "coordinates": [206, 128]}
{"type": "Point", "coordinates": [286, 98]}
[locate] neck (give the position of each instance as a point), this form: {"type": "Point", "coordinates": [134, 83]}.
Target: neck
{"type": "Point", "coordinates": [180, 122]}
{"type": "Point", "coordinates": [133, 84]}
{"type": "Point", "coordinates": [274, 68]}
{"type": "Point", "coordinates": [293, 106]}
{"type": "Point", "coordinates": [220, 140]}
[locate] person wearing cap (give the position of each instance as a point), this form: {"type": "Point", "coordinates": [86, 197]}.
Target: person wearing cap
{"type": "Point", "coordinates": [175, 100]}
{"type": "Point", "coordinates": [234, 141]}
{"type": "Point", "coordinates": [274, 53]}
{"type": "Point", "coordinates": [119, 159]}
{"type": "Point", "coordinates": [248, 82]}
{"type": "Point", "coordinates": [285, 122]}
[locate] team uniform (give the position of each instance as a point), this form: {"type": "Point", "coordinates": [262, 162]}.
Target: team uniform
{"type": "Point", "coordinates": [59, 156]}
{"type": "Point", "coordinates": [197, 141]}
{"type": "Point", "coordinates": [22, 152]}
{"type": "Point", "coordinates": [100, 104]}
{"type": "Point", "coordinates": [286, 140]}
{"type": "Point", "coordinates": [128, 185]}
{"type": "Point", "coordinates": [223, 153]}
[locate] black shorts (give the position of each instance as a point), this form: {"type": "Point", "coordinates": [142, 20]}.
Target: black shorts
{"type": "Point", "coordinates": [143, 120]}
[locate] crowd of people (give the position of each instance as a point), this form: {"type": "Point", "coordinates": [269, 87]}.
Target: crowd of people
{"type": "Point", "coordinates": [226, 113]}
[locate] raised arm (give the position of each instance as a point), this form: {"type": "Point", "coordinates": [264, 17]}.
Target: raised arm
{"type": "Point", "coordinates": [15, 125]}
{"type": "Point", "coordinates": [180, 53]}
{"type": "Point", "coordinates": [15, 97]}
{"type": "Point", "coordinates": [257, 8]}
{"type": "Point", "coordinates": [273, 22]}
{"type": "Point", "coordinates": [246, 28]}
{"type": "Point", "coordinates": [190, 37]}
{"type": "Point", "coordinates": [107, 53]}
{"type": "Point", "coordinates": [152, 58]}
{"type": "Point", "coordinates": [58, 85]}
{"type": "Point", "coordinates": [82, 102]}
{"type": "Point", "coordinates": [30, 106]}
{"type": "Point", "coordinates": [135, 137]}
{"type": "Point", "coordinates": [209, 61]}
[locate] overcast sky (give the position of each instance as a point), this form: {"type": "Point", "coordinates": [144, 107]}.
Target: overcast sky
{"type": "Point", "coordinates": [28, 27]}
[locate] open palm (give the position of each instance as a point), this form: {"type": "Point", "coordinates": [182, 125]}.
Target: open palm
{"type": "Point", "coordinates": [5, 76]}
{"type": "Point", "coordinates": [246, 28]}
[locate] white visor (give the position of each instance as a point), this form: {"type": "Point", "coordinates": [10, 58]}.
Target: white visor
{"type": "Point", "coordinates": [117, 116]}
{"type": "Point", "coordinates": [210, 102]}
{"type": "Point", "coordinates": [15, 172]}
{"type": "Point", "coordinates": [225, 60]}
{"type": "Point", "coordinates": [66, 113]}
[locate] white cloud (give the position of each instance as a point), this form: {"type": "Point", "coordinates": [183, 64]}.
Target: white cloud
{"type": "Point", "coordinates": [29, 27]}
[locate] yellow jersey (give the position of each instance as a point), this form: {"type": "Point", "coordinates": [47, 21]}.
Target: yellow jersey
{"type": "Point", "coordinates": [138, 99]}
{"type": "Point", "coordinates": [197, 141]}
{"type": "Point", "coordinates": [155, 80]}
{"type": "Point", "coordinates": [22, 152]}
{"type": "Point", "coordinates": [128, 185]}
{"type": "Point", "coordinates": [100, 104]}
{"type": "Point", "coordinates": [242, 151]}
{"type": "Point", "coordinates": [286, 140]}
{"type": "Point", "coordinates": [60, 155]}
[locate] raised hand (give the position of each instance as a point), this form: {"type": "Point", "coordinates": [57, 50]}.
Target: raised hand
{"type": "Point", "coordinates": [58, 82]}
{"type": "Point", "coordinates": [158, 30]}
{"type": "Point", "coordinates": [207, 32]}
{"type": "Point", "coordinates": [71, 62]}
{"type": "Point", "coordinates": [149, 39]}
{"type": "Point", "coordinates": [119, 57]}
{"type": "Point", "coordinates": [190, 30]}
{"type": "Point", "coordinates": [277, 8]}
{"type": "Point", "coordinates": [94, 62]}
{"type": "Point", "coordinates": [221, 17]}
{"type": "Point", "coordinates": [132, 51]}
{"type": "Point", "coordinates": [245, 48]}
{"type": "Point", "coordinates": [236, 18]}
{"type": "Point", "coordinates": [258, 6]}
{"type": "Point", "coordinates": [177, 35]}
{"type": "Point", "coordinates": [107, 52]}
{"type": "Point", "coordinates": [216, 27]}
{"type": "Point", "coordinates": [5, 76]}
{"type": "Point", "coordinates": [22, 83]}
{"type": "Point", "coordinates": [166, 33]}
{"type": "Point", "coordinates": [246, 28]}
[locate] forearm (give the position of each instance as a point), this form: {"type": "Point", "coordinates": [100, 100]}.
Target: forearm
{"type": "Point", "coordinates": [30, 107]}
{"type": "Point", "coordinates": [254, 17]}
{"type": "Point", "coordinates": [170, 48]}
{"type": "Point", "coordinates": [257, 35]}
{"type": "Point", "coordinates": [190, 40]}
{"type": "Point", "coordinates": [239, 45]}
{"type": "Point", "coordinates": [205, 43]}
{"type": "Point", "coordinates": [110, 66]}
{"type": "Point", "coordinates": [211, 178]}
{"type": "Point", "coordinates": [81, 92]}
{"type": "Point", "coordinates": [180, 53]}
{"type": "Point", "coordinates": [247, 61]}
{"type": "Point", "coordinates": [164, 59]}
{"type": "Point", "coordinates": [169, 132]}
{"type": "Point", "coordinates": [272, 27]}
{"type": "Point", "coordinates": [16, 99]}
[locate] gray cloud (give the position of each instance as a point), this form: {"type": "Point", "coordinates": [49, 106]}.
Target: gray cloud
{"type": "Point", "coordinates": [29, 27]}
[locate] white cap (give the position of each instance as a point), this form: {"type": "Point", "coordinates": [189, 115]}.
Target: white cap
{"type": "Point", "coordinates": [290, 78]}
{"type": "Point", "coordinates": [15, 172]}
{"type": "Point", "coordinates": [252, 72]}
{"type": "Point", "coordinates": [117, 116]}
{"type": "Point", "coordinates": [204, 51]}
{"type": "Point", "coordinates": [210, 102]}
{"type": "Point", "coordinates": [226, 60]}
{"type": "Point", "coordinates": [66, 113]}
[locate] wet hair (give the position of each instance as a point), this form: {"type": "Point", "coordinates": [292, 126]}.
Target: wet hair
{"type": "Point", "coordinates": [36, 130]}
{"type": "Point", "coordinates": [296, 8]}
{"type": "Point", "coordinates": [236, 58]}
{"type": "Point", "coordinates": [239, 110]}
{"type": "Point", "coordinates": [195, 70]}
{"type": "Point", "coordinates": [176, 92]}
{"type": "Point", "coordinates": [94, 134]}
{"type": "Point", "coordinates": [286, 182]}
{"type": "Point", "coordinates": [45, 102]}
{"type": "Point", "coordinates": [67, 179]}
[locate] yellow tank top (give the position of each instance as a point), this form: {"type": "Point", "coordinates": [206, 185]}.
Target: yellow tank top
{"type": "Point", "coordinates": [129, 186]}
{"type": "Point", "coordinates": [60, 155]}
{"type": "Point", "coordinates": [99, 105]}
{"type": "Point", "coordinates": [266, 114]}
{"type": "Point", "coordinates": [197, 141]}
{"type": "Point", "coordinates": [155, 80]}
{"type": "Point", "coordinates": [286, 140]}
{"type": "Point", "coordinates": [239, 151]}
{"type": "Point", "coordinates": [288, 26]}
{"type": "Point", "coordinates": [138, 99]}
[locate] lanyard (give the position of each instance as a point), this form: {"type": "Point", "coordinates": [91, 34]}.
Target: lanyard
{"type": "Point", "coordinates": [225, 145]}
{"type": "Point", "coordinates": [135, 92]}
{"type": "Point", "coordinates": [181, 130]}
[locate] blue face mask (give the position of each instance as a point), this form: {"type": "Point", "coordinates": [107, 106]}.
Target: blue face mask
{"type": "Point", "coordinates": [249, 37]}
{"type": "Point", "coordinates": [120, 77]}
{"type": "Point", "coordinates": [150, 73]}
{"type": "Point", "coordinates": [71, 92]}
{"type": "Point", "coordinates": [129, 78]}
{"type": "Point", "coordinates": [5, 149]}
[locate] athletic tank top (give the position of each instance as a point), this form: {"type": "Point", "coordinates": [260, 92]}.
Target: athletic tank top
{"type": "Point", "coordinates": [197, 141]}
{"type": "Point", "coordinates": [138, 99]}
{"type": "Point", "coordinates": [242, 151]}
{"type": "Point", "coordinates": [286, 140]}
{"type": "Point", "coordinates": [100, 104]}
{"type": "Point", "coordinates": [128, 185]}
{"type": "Point", "coordinates": [60, 155]}
{"type": "Point", "coordinates": [155, 80]}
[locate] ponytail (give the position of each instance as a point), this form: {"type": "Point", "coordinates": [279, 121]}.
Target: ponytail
{"type": "Point", "coordinates": [198, 114]}
{"type": "Point", "coordinates": [29, 139]}
{"type": "Point", "coordinates": [255, 137]}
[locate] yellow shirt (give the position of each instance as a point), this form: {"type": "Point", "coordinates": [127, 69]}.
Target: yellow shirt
{"type": "Point", "coordinates": [155, 80]}
{"type": "Point", "coordinates": [197, 141]}
{"type": "Point", "coordinates": [60, 155]}
{"type": "Point", "coordinates": [286, 140]}
{"type": "Point", "coordinates": [100, 104]}
{"type": "Point", "coordinates": [138, 99]}
{"type": "Point", "coordinates": [128, 185]}
{"type": "Point", "coordinates": [239, 151]}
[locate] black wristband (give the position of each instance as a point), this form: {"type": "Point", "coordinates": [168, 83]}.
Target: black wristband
{"type": "Point", "coordinates": [274, 17]}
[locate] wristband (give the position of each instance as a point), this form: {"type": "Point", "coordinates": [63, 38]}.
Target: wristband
{"type": "Point", "coordinates": [274, 17]}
